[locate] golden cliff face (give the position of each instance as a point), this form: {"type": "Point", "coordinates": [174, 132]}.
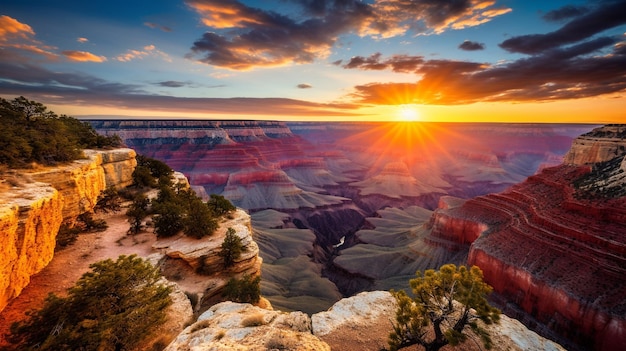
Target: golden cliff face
{"type": "Point", "coordinates": [80, 182]}
{"type": "Point", "coordinates": [32, 210]}
{"type": "Point", "coordinates": [29, 222]}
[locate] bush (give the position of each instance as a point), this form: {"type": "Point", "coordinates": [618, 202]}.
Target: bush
{"type": "Point", "coordinates": [169, 220]}
{"type": "Point", "coordinates": [116, 306]}
{"type": "Point", "coordinates": [109, 200]}
{"type": "Point", "coordinates": [231, 248]}
{"type": "Point", "coordinates": [198, 221]}
{"type": "Point", "coordinates": [219, 205]}
{"type": "Point", "coordinates": [246, 289]}
{"type": "Point", "coordinates": [137, 211]}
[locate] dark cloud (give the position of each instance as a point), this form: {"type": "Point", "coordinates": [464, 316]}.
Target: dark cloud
{"type": "Point", "coordinates": [243, 37]}
{"type": "Point", "coordinates": [157, 26]}
{"type": "Point", "coordinates": [172, 84]}
{"type": "Point", "coordinates": [565, 12]}
{"type": "Point", "coordinates": [611, 15]}
{"type": "Point", "coordinates": [50, 87]}
{"type": "Point", "coordinates": [471, 46]}
{"type": "Point", "coordinates": [304, 86]}
{"type": "Point", "coordinates": [563, 73]}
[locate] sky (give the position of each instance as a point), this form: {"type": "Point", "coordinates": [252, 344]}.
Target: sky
{"type": "Point", "coordinates": [310, 60]}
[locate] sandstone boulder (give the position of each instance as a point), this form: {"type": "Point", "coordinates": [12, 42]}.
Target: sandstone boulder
{"type": "Point", "coordinates": [233, 326]}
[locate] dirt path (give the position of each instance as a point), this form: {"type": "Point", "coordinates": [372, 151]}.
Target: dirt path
{"type": "Point", "coordinates": [69, 264]}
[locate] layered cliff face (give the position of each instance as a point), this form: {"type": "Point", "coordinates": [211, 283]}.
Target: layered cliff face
{"type": "Point", "coordinates": [554, 246]}
{"type": "Point", "coordinates": [600, 145]}
{"type": "Point", "coordinates": [34, 206]}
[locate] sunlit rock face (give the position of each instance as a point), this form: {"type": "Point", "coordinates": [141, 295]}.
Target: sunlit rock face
{"type": "Point", "coordinates": [30, 217]}
{"type": "Point", "coordinates": [34, 206]}
{"type": "Point", "coordinates": [230, 326]}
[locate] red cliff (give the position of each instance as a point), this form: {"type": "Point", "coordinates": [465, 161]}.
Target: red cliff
{"type": "Point", "coordinates": [557, 256]}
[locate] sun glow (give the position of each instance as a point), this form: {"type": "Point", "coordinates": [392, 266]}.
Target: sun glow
{"type": "Point", "coordinates": [408, 113]}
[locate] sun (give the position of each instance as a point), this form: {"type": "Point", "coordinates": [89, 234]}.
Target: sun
{"type": "Point", "coordinates": [408, 113]}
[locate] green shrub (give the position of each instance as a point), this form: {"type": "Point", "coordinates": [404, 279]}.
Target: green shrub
{"type": "Point", "coordinates": [246, 289]}
{"type": "Point", "coordinates": [219, 205]}
{"type": "Point", "coordinates": [231, 248]}
{"type": "Point", "coordinates": [115, 306]}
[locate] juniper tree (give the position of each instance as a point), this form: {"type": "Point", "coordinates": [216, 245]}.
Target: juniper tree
{"type": "Point", "coordinates": [445, 304]}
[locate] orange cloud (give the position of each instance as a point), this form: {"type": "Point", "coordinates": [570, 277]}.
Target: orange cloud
{"type": "Point", "coordinates": [82, 40]}
{"type": "Point", "coordinates": [83, 56]}
{"type": "Point", "coordinates": [12, 28]}
{"type": "Point", "coordinates": [147, 51]}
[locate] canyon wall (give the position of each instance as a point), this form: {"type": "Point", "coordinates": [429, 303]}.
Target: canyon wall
{"type": "Point", "coordinates": [554, 246]}
{"type": "Point", "coordinates": [34, 203]}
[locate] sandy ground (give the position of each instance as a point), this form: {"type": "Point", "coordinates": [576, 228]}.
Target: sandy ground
{"type": "Point", "coordinates": [69, 264]}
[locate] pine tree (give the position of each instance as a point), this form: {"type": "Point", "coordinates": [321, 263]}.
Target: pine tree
{"type": "Point", "coordinates": [445, 302]}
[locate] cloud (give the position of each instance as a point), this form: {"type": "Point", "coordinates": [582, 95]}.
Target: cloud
{"type": "Point", "coordinates": [243, 37]}
{"type": "Point", "coordinates": [562, 73]}
{"type": "Point", "coordinates": [611, 15]}
{"type": "Point", "coordinates": [11, 28]}
{"type": "Point", "coordinates": [83, 56]}
{"type": "Point", "coordinates": [157, 26]}
{"type": "Point", "coordinates": [82, 40]}
{"type": "Point", "coordinates": [468, 45]}
{"type": "Point", "coordinates": [565, 12]}
{"type": "Point", "coordinates": [304, 86]}
{"type": "Point", "coordinates": [146, 51]}
{"type": "Point", "coordinates": [15, 35]}
{"type": "Point", "coordinates": [172, 84]}
{"type": "Point", "coordinates": [51, 87]}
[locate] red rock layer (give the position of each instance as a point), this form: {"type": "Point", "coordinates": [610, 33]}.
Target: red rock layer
{"type": "Point", "coordinates": [560, 259]}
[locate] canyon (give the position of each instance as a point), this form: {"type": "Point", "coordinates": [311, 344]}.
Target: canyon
{"type": "Point", "coordinates": [336, 209]}
{"type": "Point", "coordinates": [339, 208]}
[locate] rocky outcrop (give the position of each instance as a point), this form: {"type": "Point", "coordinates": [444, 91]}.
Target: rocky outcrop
{"type": "Point", "coordinates": [199, 258]}
{"type": "Point", "coordinates": [33, 207]}
{"type": "Point", "coordinates": [364, 321]}
{"type": "Point", "coordinates": [231, 326]}
{"type": "Point", "coordinates": [361, 322]}
{"type": "Point", "coordinates": [600, 145]}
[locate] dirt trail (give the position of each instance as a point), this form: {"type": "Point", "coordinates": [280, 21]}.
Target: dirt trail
{"type": "Point", "coordinates": [69, 264]}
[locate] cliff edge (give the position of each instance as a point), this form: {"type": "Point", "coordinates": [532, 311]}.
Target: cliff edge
{"type": "Point", "coordinates": [34, 203]}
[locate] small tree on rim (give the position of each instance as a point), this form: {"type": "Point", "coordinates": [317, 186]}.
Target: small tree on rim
{"type": "Point", "coordinates": [445, 302]}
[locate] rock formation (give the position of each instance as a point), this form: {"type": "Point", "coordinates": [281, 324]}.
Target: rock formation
{"type": "Point", "coordinates": [232, 326]}
{"type": "Point", "coordinates": [554, 246]}
{"type": "Point", "coordinates": [600, 145]}
{"type": "Point", "coordinates": [34, 206]}
{"type": "Point", "coordinates": [361, 322]}
{"type": "Point", "coordinates": [198, 259]}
